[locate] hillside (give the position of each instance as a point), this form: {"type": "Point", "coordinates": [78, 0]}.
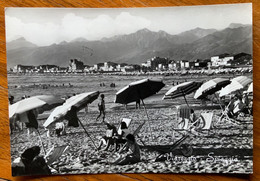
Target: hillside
{"type": "Point", "coordinates": [136, 48]}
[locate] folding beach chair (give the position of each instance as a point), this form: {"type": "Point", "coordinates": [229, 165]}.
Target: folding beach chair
{"type": "Point", "coordinates": [55, 153]}
{"type": "Point", "coordinates": [112, 139]}
{"type": "Point", "coordinates": [205, 122]}
{"type": "Point", "coordinates": [127, 121]}
{"type": "Point", "coordinates": [183, 117]}
{"type": "Point", "coordinates": [227, 116]}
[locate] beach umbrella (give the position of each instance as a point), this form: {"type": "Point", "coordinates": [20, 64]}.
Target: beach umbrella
{"type": "Point", "coordinates": [210, 87]}
{"type": "Point", "coordinates": [43, 102]}
{"type": "Point", "coordinates": [139, 90]}
{"type": "Point", "coordinates": [51, 101]}
{"type": "Point", "coordinates": [182, 89]}
{"type": "Point", "coordinates": [236, 84]}
{"type": "Point", "coordinates": [250, 88]}
{"type": "Point", "coordinates": [78, 101]}
{"type": "Point", "coordinates": [25, 105]}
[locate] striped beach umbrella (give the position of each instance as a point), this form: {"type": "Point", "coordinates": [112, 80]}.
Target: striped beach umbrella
{"type": "Point", "coordinates": [236, 84]}
{"type": "Point", "coordinates": [250, 88]}
{"type": "Point", "coordinates": [210, 87]}
{"type": "Point", "coordinates": [182, 90]}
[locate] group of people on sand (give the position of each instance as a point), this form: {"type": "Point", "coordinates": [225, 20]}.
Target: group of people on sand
{"type": "Point", "coordinates": [129, 152]}
{"type": "Point", "coordinates": [239, 104]}
{"type": "Point", "coordinates": [111, 85]}
{"type": "Point", "coordinates": [125, 146]}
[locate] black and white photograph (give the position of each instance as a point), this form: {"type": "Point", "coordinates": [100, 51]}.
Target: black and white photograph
{"type": "Point", "coordinates": [130, 90]}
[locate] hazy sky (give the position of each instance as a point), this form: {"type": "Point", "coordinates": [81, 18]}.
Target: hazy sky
{"type": "Point", "coordinates": [45, 26]}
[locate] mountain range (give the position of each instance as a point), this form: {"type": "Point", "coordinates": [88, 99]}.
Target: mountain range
{"type": "Point", "coordinates": [135, 48]}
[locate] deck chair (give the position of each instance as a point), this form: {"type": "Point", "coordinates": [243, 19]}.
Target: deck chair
{"type": "Point", "coordinates": [205, 122]}
{"type": "Point", "coordinates": [183, 114]}
{"type": "Point", "coordinates": [127, 121]}
{"type": "Point", "coordinates": [114, 140]}
{"type": "Point", "coordinates": [55, 153]}
{"type": "Point", "coordinates": [227, 116]}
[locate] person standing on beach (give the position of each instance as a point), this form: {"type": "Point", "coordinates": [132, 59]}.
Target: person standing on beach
{"type": "Point", "coordinates": [137, 104]}
{"type": "Point", "coordinates": [101, 107]}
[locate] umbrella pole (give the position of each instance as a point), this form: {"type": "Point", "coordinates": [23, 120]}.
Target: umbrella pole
{"type": "Point", "coordinates": [186, 101]}
{"type": "Point", "coordinates": [41, 141]}
{"type": "Point", "coordinates": [147, 117]}
{"type": "Point", "coordinates": [185, 98]}
{"type": "Point", "coordinates": [88, 134]}
{"type": "Point", "coordinates": [218, 101]}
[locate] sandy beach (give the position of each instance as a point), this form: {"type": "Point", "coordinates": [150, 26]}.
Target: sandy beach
{"type": "Point", "coordinates": [227, 147]}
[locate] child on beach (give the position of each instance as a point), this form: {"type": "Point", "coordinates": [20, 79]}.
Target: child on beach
{"type": "Point", "coordinates": [60, 128]}
{"type": "Point", "coordinates": [108, 139]}
{"type": "Point", "coordinates": [101, 107]}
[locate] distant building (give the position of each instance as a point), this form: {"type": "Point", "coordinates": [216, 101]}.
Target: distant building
{"type": "Point", "coordinates": [108, 66]}
{"type": "Point", "coordinates": [156, 63]}
{"type": "Point", "coordinates": [184, 64]}
{"type": "Point", "coordinates": [128, 68]}
{"type": "Point", "coordinates": [62, 69]}
{"type": "Point", "coordinates": [199, 63]}
{"type": "Point", "coordinates": [76, 65]}
{"type": "Point", "coordinates": [222, 60]}
{"type": "Point", "coordinates": [48, 68]}
{"type": "Point", "coordinates": [23, 68]}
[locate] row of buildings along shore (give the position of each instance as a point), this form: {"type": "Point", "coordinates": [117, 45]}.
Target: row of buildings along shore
{"type": "Point", "coordinates": [151, 65]}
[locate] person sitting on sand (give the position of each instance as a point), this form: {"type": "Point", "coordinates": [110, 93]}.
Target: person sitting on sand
{"type": "Point", "coordinates": [230, 107]}
{"type": "Point", "coordinates": [60, 128]}
{"type": "Point", "coordinates": [193, 118]}
{"type": "Point", "coordinates": [101, 107]}
{"type": "Point", "coordinates": [30, 163]}
{"type": "Point", "coordinates": [108, 139]}
{"type": "Point", "coordinates": [121, 137]}
{"type": "Point", "coordinates": [239, 106]}
{"type": "Point", "coordinates": [129, 153]}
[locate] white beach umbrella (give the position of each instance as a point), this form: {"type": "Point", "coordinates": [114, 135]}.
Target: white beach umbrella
{"type": "Point", "coordinates": [236, 84]}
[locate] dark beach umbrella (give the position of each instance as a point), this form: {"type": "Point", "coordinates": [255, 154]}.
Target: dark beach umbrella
{"type": "Point", "coordinates": [139, 90]}
{"type": "Point", "coordinates": [182, 90]}
{"type": "Point", "coordinates": [210, 87]}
